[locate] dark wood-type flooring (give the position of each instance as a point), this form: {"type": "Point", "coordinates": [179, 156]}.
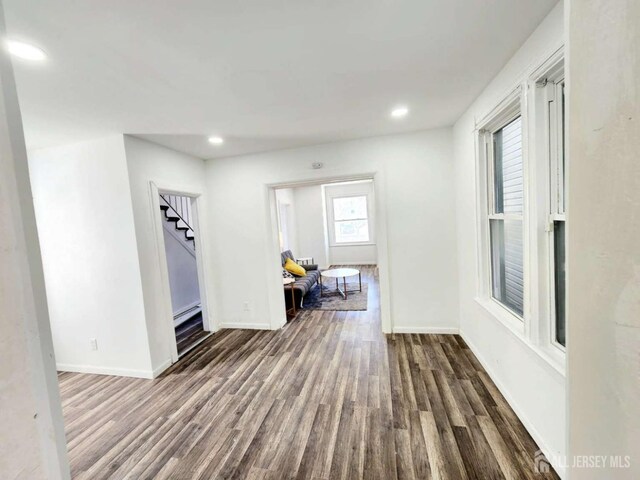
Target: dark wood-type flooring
{"type": "Point", "coordinates": [189, 333]}
{"type": "Point", "coordinates": [328, 396]}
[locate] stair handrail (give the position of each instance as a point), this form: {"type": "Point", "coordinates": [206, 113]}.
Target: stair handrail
{"type": "Point", "coordinates": [168, 202]}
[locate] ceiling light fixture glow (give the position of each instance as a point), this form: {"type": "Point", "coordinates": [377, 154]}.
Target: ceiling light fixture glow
{"type": "Point", "coordinates": [399, 112]}
{"type": "Point", "coordinates": [216, 140]}
{"type": "Point", "coordinates": [25, 51]}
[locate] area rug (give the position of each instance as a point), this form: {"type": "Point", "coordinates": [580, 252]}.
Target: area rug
{"type": "Point", "coordinates": [334, 301]}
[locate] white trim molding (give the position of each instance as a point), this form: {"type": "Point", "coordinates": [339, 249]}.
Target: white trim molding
{"type": "Point", "coordinates": [155, 188]}
{"type": "Point", "coordinates": [534, 328]}
{"type": "Point", "coordinates": [433, 330]}
{"type": "Point", "coordinates": [245, 326]}
{"type": "Point", "coordinates": [120, 372]}
{"type": "Point", "coordinates": [539, 439]}
{"type": "Point", "coordinates": [162, 367]}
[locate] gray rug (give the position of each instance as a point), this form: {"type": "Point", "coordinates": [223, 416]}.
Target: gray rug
{"type": "Point", "coordinates": [334, 301]}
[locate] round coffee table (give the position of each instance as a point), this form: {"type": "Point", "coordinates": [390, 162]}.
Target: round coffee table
{"type": "Point", "coordinates": [338, 273]}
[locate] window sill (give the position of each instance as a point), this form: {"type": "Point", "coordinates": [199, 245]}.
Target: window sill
{"type": "Point", "coordinates": [504, 316]}
{"type": "Point", "coordinates": [553, 358]}
{"type": "Point", "coordinates": [354, 244]}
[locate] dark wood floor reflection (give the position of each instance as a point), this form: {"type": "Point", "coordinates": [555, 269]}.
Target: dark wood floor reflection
{"type": "Point", "coordinates": [328, 396]}
{"type": "Point", "coordinates": [190, 333]}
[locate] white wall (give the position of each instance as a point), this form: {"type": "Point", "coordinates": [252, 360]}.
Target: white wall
{"type": "Point", "coordinates": [604, 235]}
{"type": "Point", "coordinates": [311, 224]}
{"type": "Point", "coordinates": [32, 443]}
{"type": "Point", "coordinates": [170, 170]}
{"type": "Point", "coordinates": [85, 224]}
{"type": "Point", "coordinates": [351, 254]}
{"type": "Point", "coordinates": [532, 386]}
{"type": "Point", "coordinates": [101, 253]}
{"type": "Point", "coordinates": [414, 192]}
{"type": "Point", "coordinates": [309, 236]}
{"type": "Point", "coordinates": [287, 219]}
{"type": "Point", "coordinates": [182, 266]}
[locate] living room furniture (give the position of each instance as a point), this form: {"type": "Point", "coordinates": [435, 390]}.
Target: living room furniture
{"type": "Point", "coordinates": [302, 285]}
{"type": "Point", "coordinates": [288, 285]}
{"type": "Point", "coordinates": [338, 273]}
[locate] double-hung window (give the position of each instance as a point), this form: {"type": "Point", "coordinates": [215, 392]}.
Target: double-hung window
{"type": "Point", "coordinates": [521, 210]}
{"type": "Point", "coordinates": [351, 219]}
{"type": "Point", "coordinates": [555, 103]}
{"type": "Point", "coordinates": [505, 214]}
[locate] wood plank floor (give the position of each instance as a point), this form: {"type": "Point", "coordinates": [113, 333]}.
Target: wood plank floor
{"type": "Point", "coordinates": [190, 333]}
{"type": "Point", "coordinates": [328, 396]}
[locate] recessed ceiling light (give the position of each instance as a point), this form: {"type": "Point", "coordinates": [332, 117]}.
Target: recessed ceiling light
{"type": "Point", "coordinates": [216, 140]}
{"type": "Point", "coordinates": [25, 51]}
{"type": "Point", "coordinates": [399, 112]}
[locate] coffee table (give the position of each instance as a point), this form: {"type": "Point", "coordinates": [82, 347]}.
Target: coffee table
{"type": "Point", "coordinates": [338, 273]}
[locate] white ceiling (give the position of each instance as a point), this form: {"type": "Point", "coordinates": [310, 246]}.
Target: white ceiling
{"type": "Point", "coordinates": [264, 74]}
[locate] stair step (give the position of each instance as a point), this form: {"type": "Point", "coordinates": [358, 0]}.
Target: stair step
{"type": "Point", "coordinates": [171, 216]}
{"type": "Point", "coordinates": [180, 319]}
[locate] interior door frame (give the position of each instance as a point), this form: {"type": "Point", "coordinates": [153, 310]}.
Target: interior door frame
{"type": "Point", "coordinates": [275, 283]}
{"type": "Point", "coordinates": [197, 207]}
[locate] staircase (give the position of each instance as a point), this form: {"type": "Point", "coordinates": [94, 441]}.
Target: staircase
{"type": "Point", "coordinates": [178, 210]}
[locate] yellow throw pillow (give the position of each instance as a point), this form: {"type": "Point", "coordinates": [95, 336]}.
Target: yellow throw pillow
{"type": "Point", "coordinates": [292, 267]}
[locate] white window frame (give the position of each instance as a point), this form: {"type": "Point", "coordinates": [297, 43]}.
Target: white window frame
{"type": "Point", "coordinates": [545, 88]}
{"type": "Point", "coordinates": [332, 221]}
{"type": "Point", "coordinates": [536, 329]}
{"type": "Point", "coordinates": [512, 107]}
{"type": "Point", "coordinates": [488, 138]}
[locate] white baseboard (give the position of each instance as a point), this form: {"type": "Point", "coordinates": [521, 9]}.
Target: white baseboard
{"type": "Point", "coordinates": [246, 326]}
{"type": "Point", "coordinates": [436, 330]}
{"type": "Point", "coordinates": [161, 368]}
{"type": "Point", "coordinates": [560, 470]}
{"type": "Point", "coordinates": [186, 308]}
{"type": "Point", "coordinates": [281, 324]}
{"type": "Point", "coordinates": [119, 372]}
{"type": "Point", "coordinates": [187, 315]}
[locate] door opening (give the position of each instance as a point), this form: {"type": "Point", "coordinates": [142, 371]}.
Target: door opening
{"type": "Point", "coordinates": [332, 234]}
{"type": "Point", "coordinates": [178, 228]}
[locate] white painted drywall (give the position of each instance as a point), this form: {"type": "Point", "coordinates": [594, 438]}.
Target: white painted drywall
{"type": "Point", "coordinates": [530, 384]}
{"type": "Point", "coordinates": [287, 220]}
{"type": "Point", "coordinates": [85, 223]}
{"type": "Point", "coordinates": [351, 254]}
{"type": "Point", "coordinates": [169, 170]}
{"type": "Point", "coordinates": [604, 235]}
{"type": "Point", "coordinates": [32, 442]}
{"type": "Point", "coordinates": [414, 173]}
{"type": "Point", "coordinates": [310, 224]}
{"type": "Point", "coordinates": [182, 266]}
{"type": "Point", "coordinates": [270, 74]}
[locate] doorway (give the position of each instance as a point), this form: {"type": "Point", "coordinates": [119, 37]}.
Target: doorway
{"type": "Point", "coordinates": [331, 224]}
{"type": "Point", "coordinates": [181, 253]}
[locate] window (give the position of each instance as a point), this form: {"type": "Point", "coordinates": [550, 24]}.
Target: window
{"type": "Point", "coordinates": [521, 211]}
{"type": "Point", "coordinates": [555, 102]}
{"type": "Point", "coordinates": [351, 219]}
{"type": "Point", "coordinates": [506, 208]}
